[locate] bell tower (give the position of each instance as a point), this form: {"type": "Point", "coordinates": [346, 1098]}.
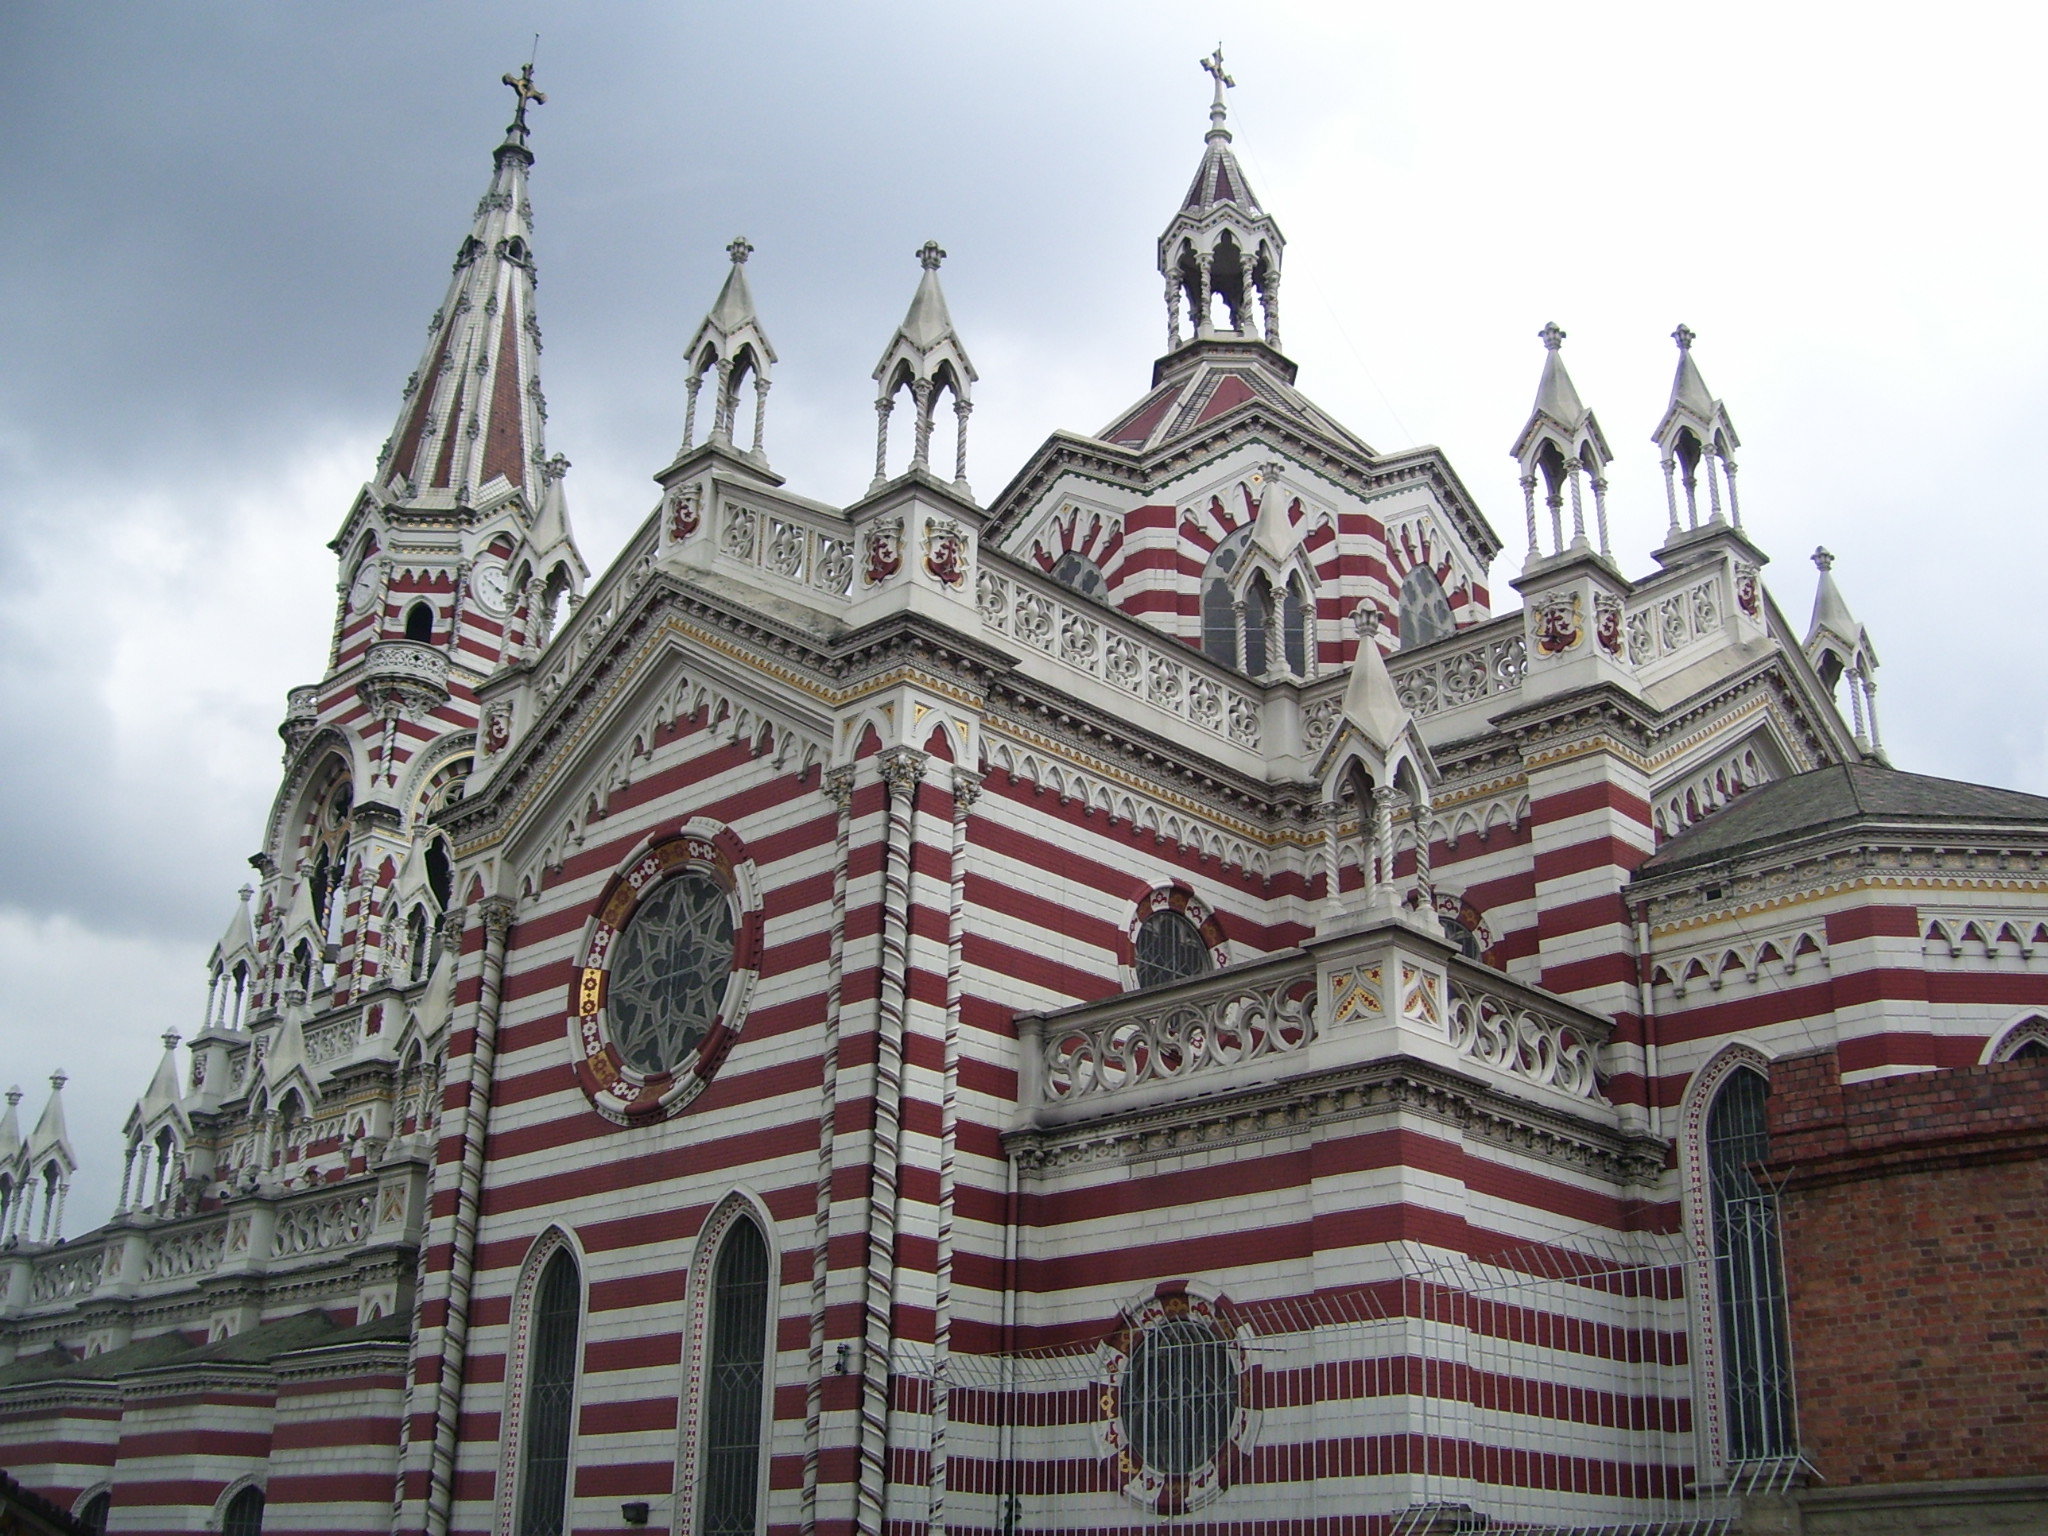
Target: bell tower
{"type": "Point", "coordinates": [1220, 246]}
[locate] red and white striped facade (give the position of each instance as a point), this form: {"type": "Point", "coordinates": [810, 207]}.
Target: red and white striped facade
{"type": "Point", "coordinates": [1443, 1203]}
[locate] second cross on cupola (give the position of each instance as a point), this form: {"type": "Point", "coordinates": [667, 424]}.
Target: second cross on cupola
{"type": "Point", "coordinates": [1220, 244]}
{"type": "Point", "coordinates": [926, 357]}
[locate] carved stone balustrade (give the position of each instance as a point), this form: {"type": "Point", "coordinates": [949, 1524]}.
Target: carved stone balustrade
{"type": "Point", "coordinates": [1377, 991]}
{"type": "Point", "coordinates": [404, 674]}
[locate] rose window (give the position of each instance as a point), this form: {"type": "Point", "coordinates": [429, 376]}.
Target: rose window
{"type": "Point", "coordinates": [1176, 1415]}
{"type": "Point", "coordinates": [670, 961]}
{"type": "Point", "coordinates": [669, 971]}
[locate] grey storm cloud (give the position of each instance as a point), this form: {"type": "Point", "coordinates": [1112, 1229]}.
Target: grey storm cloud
{"type": "Point", "coordinates": [226, 226]}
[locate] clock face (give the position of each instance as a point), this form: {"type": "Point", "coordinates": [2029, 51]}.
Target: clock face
{"type": "Point", "coordinates": [488, 583]}
{"type": "Point", "coordinates": [363, 588]}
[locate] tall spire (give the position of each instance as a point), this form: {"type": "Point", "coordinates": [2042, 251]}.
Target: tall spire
{"type": "Point", "coordinates": [927, 357]}
{"type": "Point", "coordinates": [1221, 243]}
{"type": "Point", "coordinates": [473, 411]}
{"type": "Point", "coordinates": [1562, 446]}
{"type": "Point", "coordinates": [732, 347]}
{"type": "Point", "coordinates": [1696, 429]}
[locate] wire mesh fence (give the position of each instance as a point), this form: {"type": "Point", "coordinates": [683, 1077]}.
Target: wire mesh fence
{"type": "Point", "coordinates": [1546, 1390]}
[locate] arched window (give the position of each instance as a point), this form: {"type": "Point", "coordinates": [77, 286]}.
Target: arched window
{"type": "Point", "coordinates": [440, 872]}
{"type": "Point", "coordinates": [550, 1396]}
{"type": "Point", "coordinates": [1169, 948]}
{"type": "Point", "coordinates": [1425, 611]}
{"type": "Point", "coordinates": [244, 1516]}
{"type": "Point", "coordinates": [1756, 1368]}
{"type": "Point", "coordinates": [733, 1382]}
{"type": "Point", "coordinates": [1219, 606]}
{"type": "Point", "coordinates": [1294, 627]}
{"type": "Point", "coordinates": [93, 1514]}
{"type": "Point", "coordinates": [2034, 1048]}
{"type": "Point", "coordinates": [416, 943]}
{"type": "Point", "coordinates": [419, 623]}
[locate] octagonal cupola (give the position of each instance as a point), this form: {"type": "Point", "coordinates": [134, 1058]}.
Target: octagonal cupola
{"type": "Point", "coordinates": [1220, 245]}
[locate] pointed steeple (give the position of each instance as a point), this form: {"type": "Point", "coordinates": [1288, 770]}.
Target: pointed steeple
{"type": "Point", "coordinates": [1696, 429]}
{"type": "Point", "coordinates": [1220, 243]}
{"type": "Point", "coordinates": [927, 357]}
{"type": "Point", "coordinates": [473, 411]}
{"type": "Point", "coordinates": [47, 1165]}
{"type": "Point", "coordinates": [732, 347]}
{"type": "Point", "coordinates": [1839, 646]}
{"type": "Point", "coordinates": [1562, 445]}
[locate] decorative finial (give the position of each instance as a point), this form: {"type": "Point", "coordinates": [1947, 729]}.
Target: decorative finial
{"type": "Point", "coordinates": [245, 893]}
{"type": "Point", "coordinates": [1552, 337]}
{"type": "Point", "coordinates": [170, 1038]}
{"type": "Point", "coordinates": [1365, 618]}
{"type": "Point", "coordinates": [739, 250]}
{"type": "Point", "coordinates": [1823, 560]}
{"type": "Point", "coordinates": [58, 1079]}
{"type": "Point", "coordinates": [1217, 111]}
{"type": "Point", "coordinates": [929, 255]}
{"type": "Point", "coordinates": [1684, 336]}
{"type": "Point", "coordinates": [14, 1096]}
{"type": "Point", "coordinates": [552, 469]}
{"type": "Point", "coordinates": [522, 87]}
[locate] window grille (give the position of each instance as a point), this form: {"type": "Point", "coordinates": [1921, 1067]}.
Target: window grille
{"type": "Point", "coordinates": [550, 1395]}
{"type": "Point", "coordinates": [1756, 1371]}
{"type": "Point", "coordinates": [733, 1383]}
{"type": "Point", "coordinates": [244, 1515]}
{"type": "Point", "coordinates": [1169, 948]}
{"type": "Point", "coordinates": [1179, 1393]}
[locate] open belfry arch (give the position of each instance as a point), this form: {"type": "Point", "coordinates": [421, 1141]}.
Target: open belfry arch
{"type": "Point", "coordinates": [1080, 1011]}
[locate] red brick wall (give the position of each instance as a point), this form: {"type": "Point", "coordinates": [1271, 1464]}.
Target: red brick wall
{"type": "Point", "coordinates": [1915, 1215]}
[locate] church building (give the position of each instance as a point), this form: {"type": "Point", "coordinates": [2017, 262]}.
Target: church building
{"type": "Point", "coordinates": [1162, 999]}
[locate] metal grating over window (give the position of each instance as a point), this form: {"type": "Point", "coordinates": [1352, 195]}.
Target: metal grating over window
{"type": "Point", "coordinates": [1756, 1372]}
{"type": "Point", "coordinates": [550, 1394]}
{"type": "Point", "coordinates": [244, 1515]}
{"type": "Point", "coordinates": [1179, 1395]}
{"type": "Point", "coordinates": [733, 1382]}
{"type": "Point", "coordinates": [1169, 948]}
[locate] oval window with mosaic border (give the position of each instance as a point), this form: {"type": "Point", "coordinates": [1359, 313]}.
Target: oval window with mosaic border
{"type": "Point", "coordinates": [665, 973]}
{"type": "Point", "coordinates": [1176, 1414]}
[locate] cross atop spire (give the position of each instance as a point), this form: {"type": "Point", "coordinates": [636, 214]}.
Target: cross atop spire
{"type": "Point", "coordinates": [523, 87]}
{"type": "Point", "coordinates": [1217, 110]}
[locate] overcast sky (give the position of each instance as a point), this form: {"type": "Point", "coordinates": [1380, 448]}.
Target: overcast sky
{"type": "Point", "coordinates": [225, 227]}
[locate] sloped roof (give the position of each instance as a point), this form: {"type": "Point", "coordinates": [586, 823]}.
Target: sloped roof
{"type": "Point", "coordinates": [1841, 796]}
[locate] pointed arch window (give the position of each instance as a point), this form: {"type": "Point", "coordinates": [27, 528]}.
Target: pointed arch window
{"type": "Point", "coordinates": [93, 1513]}
{"type": "Point", "coordinates": [419, 623]}
{"type": "Point", "coordinates": [734, 1381]}
{"type": "Point", "coordinates": [1219, 604]}
{"type": "Point", "coordinates": [1749, 1282]}
{"type": "Point", "coordinates": [550, 1399]}
{"type": "Point", "coordinates": [1425, 611]}
{"type": "Point", "coordinates": [1074, 569]}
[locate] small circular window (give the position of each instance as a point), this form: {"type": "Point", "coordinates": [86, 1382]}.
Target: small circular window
{"type": "Point", "coordinates": [1173, 937]}
{"type": "Point", "coordinates": [667, 970]}
{"type": "Point", "coordinates": [1174, 1409]}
